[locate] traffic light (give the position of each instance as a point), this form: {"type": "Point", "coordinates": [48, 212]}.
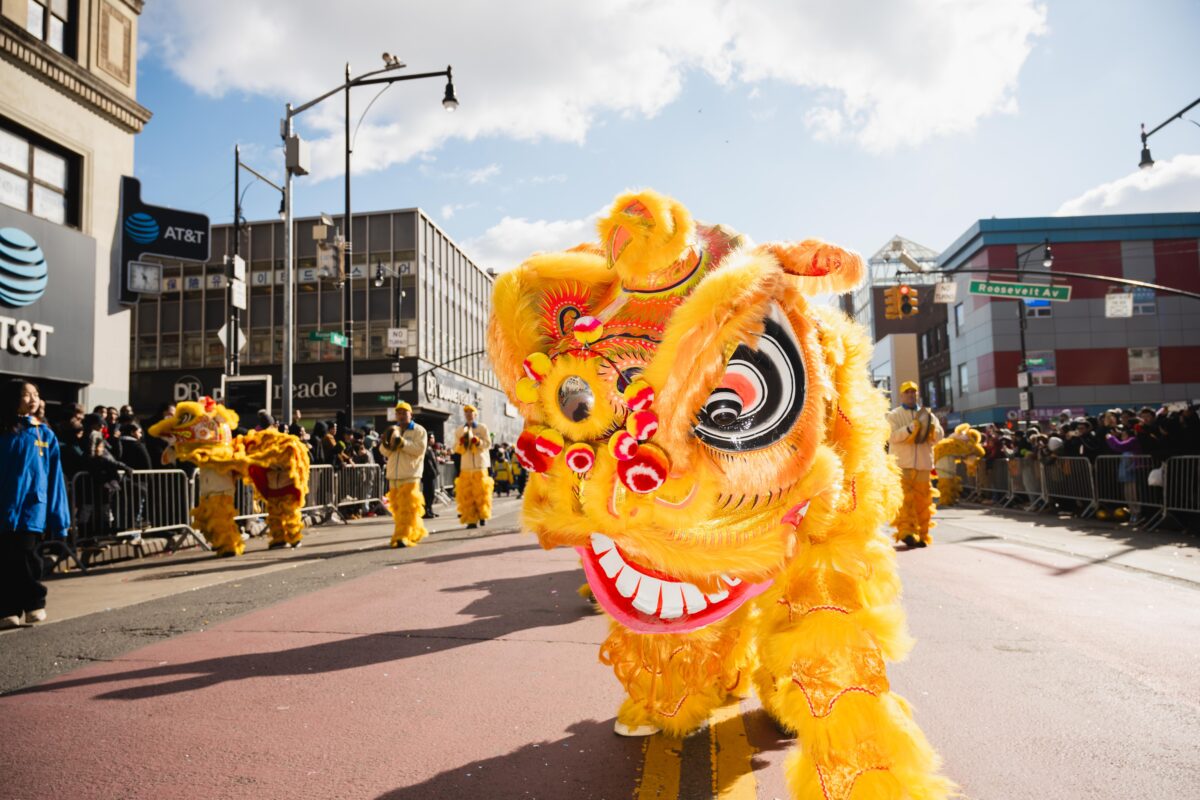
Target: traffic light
{"type": "Point", "coordinates": [891, 302]}
{"type": "Point", "coordinates": [909, 300]}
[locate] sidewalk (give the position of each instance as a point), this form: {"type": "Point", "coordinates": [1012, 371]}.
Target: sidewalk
{"type": "Point", "coordinates": [1169, 555]}
{"type": "Point", "coordinates": [125, 583]}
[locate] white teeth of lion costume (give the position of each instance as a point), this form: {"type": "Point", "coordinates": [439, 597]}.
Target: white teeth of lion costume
{"type": "Point", "coordinates": [713, 448]}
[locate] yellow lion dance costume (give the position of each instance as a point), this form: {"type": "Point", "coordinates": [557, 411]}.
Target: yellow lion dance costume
{"type": "Point", "coordinates": [275, 463]}
{"type": "Point", "coordinates": [277, 466]}
{"type": "Point", "coordinates": [961, 447]}
{"type": "Point", "coordinates": [712, 447]}
{"type": "Point", "coordinates": [202, 434]}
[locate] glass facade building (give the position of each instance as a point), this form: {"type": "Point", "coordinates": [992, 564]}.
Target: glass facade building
{"type": "Point", "coordinates": [405, 273]}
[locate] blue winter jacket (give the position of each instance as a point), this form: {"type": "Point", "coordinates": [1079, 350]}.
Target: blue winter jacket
{"type": "Point", "coordinates": [33, 494]}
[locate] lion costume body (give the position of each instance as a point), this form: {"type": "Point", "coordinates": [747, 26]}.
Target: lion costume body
{"type": "Point", "coordinates": [712, 447]}
{"type": "Point", "coordinates": [276, 464]}
{"type": "Point", "coordinates": [961, 447]}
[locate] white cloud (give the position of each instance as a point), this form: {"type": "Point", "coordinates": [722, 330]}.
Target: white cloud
{"type": "Point", "coordinates": [1172, 185]}
{"type": "Point", "coordinates": [450, 209]}
{"type": "Point", "coordinates": [512, 240]}
{"type": "Point", "coordinates": [484, 175]}
{"type": "Point", "coordinates": [887, 74]}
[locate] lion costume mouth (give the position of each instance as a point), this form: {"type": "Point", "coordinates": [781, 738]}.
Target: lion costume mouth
{"type": "Point", "coordinates": [648, 601]}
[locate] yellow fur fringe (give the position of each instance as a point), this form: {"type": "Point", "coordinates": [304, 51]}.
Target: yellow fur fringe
{"type": "Point", "coordinates": [213, 517]}
{"type": "Point", "coordinates": [473, 494]}
{"type": "Point", "coordinates": [407, 505]}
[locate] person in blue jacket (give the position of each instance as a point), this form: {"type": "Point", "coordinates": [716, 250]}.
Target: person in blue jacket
{"type": "Point", "coordinates": [33, 502]}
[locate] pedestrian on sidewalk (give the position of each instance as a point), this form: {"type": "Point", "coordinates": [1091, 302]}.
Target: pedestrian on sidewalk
{"type": "Point", "coordinates": [429, 474]}
{"type": "Point", "coordinates": [33, 502]}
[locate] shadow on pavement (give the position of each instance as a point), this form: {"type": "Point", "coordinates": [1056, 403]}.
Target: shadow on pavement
{"type": "Point", "coordinates": [590, 763]}
{"type": "Point", "coordinates": [510, 605]}
{"type": "Point", "coordinates": [1124, 533]}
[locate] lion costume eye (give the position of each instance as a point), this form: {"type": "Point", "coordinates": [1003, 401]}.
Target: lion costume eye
{"type": "Point", "coordinates": [761, 394]}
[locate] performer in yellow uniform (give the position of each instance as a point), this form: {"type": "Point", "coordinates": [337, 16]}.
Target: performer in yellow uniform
{"type": "Point", "coordinates": [404, 445]}
{"type": "Point", "coordinates": [473, 486]}
{"type": "Point", "coordinates": [914, 430]}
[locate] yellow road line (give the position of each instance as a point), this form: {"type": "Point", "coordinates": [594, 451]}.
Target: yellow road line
{"type": "Point", "coordinates": [661, 760]}
{"type": "Point", "coordinates": [732, 770]}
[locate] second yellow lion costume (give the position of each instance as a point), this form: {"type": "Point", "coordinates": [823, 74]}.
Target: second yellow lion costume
{"type": "Point", "coordinates": [712, 447]}
{"type": "Point", "coordinates": [961, 447]}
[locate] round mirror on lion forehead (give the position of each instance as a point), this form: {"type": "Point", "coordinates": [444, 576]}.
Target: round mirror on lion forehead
{"type": "Point", "coordinates": [576, 399]}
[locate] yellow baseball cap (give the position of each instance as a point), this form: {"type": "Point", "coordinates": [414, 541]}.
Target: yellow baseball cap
{"type": "Point", "coordinates": [904, 387]}
{"type": "Point", "coordinates": [469, 407]}
{"type": "Point", "coordinates": [402, 405]}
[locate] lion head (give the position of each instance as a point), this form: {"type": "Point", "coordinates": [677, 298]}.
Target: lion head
{"type": "Point", "coordinates": [692, 418]}
{"type": "Point", "coordinates": [202, 425]}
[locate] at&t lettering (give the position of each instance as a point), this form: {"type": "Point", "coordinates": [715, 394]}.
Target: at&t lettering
{"type": "Point", "coordinates": [23, 337]}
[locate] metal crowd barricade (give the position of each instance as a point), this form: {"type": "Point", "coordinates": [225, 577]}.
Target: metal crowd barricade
{"type": "Point", "coordinates": [1070, 478]}
{"type": "Point", "coordinates": [138, 503]}
{"type": "Point", "coordinates": [1025, 483]}
{"type": "Point", "coordinates": [1181, 488]}
{"type": "Point", "coordinates": [246, 505]}
{"type": "Point", "coordinates": [359, 485]}
{"type": "Point", "coordinates": [993, 480]}
{"type": "Point", "coordinates": [972, 480]}
{"type": "Point", "coordinates": [321, 501]}
{"type": "Point", "coordinates": [1125, 480]}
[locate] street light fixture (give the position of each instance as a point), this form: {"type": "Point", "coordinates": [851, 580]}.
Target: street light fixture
{"type": "Point", "coordinates": [295, 156]}
{"type": "Point", "coordinates": [1147, 162]}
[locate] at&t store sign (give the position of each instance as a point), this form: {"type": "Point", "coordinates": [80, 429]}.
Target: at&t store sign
{"type": "Point", "coordinates": [47, 299]}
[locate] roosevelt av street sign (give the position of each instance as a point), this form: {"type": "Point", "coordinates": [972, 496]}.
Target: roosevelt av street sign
{"type": "Point", "coordinates": [1028, 291]}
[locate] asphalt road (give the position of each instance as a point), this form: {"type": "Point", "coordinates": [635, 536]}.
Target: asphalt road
{"type": "Point", "coordinates": [1051, 663]}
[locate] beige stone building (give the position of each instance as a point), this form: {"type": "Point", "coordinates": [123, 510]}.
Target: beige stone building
{"type": "Point", "coordinates": [68, 116]}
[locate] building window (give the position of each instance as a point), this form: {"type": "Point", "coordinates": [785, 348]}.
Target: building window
{"type": "Point", "coordinates": [946, 394]}
{"type": "Point", "coordinates": [50, 21]}
{"type": "Point", "coordinates": [963, 385]}
{"type": "Point", "coordinates": [1143, 365]}
{"type": "Point", "coordinates": [38, 178]}
{"type": "Point", "coordinates": [1042, 368]}
{"type": "Point", "coordinates": [959, 318]}
{"type": "Point", "coordinates": [1039, 308]}
{"type": "Point", "coordinates": [931, 398]}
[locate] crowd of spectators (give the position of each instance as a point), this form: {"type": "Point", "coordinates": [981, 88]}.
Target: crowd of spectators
{"type": "Point", "coordinates": [1159, 433]}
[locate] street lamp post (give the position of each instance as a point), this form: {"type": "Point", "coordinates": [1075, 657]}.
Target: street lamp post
{"type": "Point", "coordinates": [234, 366]}
{"type": "Point", "coordinates": [1023, 368]}
{"type": "Point", "coordinates": [450, 103]}
{"type": "Point", "coordinates": [1147, 162]}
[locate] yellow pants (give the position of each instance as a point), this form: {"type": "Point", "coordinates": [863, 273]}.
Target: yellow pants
{"type": "Point", "coordinates": [284, 521]}
{"type": "Point", "coordinates": [407, 506]}
{"type": "Point", "coordinates": [213, 516]}
{"type": "Point", "coordinates": [914, 516]}
{"type": "Point", "coordinates": [949, 490]}
{"type": "Point", "coordinates": [473, 491]}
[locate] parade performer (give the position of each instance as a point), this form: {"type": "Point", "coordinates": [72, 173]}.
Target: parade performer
{"type": "Point", "coordinates": [404, 445]}
{"type": "Point", "coordinates": [713, 448]}
{"type": "Point", "coordinates": [473, 486]}
{"type": "Point", "coordinates": [914, 429]}
{"type": "Point", "coordinates": [961, 447]}
{"type": "Point", "coordinates": [201, 432]}
{"type": "Point", "coordinates": [33, 503]}
{"type": "Point", "coordinates": [277, 466]}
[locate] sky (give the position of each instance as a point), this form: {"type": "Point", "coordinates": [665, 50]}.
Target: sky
{"type": "Point", "coordinates": [851, 121]}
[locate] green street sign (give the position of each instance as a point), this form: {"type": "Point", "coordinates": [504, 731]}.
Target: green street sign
{"type": "Point", "coordinates": [1028, 291]}
{"type": "Point", "coordinates": [333, 337]}
{"type": "Point", "coordinates": [1036, 362]}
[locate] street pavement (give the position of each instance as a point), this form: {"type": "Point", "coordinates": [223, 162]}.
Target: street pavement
{"type": "Point", "coordinates": [1052, 661]}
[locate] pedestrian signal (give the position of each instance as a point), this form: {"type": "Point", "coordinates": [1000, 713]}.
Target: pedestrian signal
{"type": "Point", "coordinates": [891, 302]}
{"type": "Point", "coordinates": [909, 301]}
